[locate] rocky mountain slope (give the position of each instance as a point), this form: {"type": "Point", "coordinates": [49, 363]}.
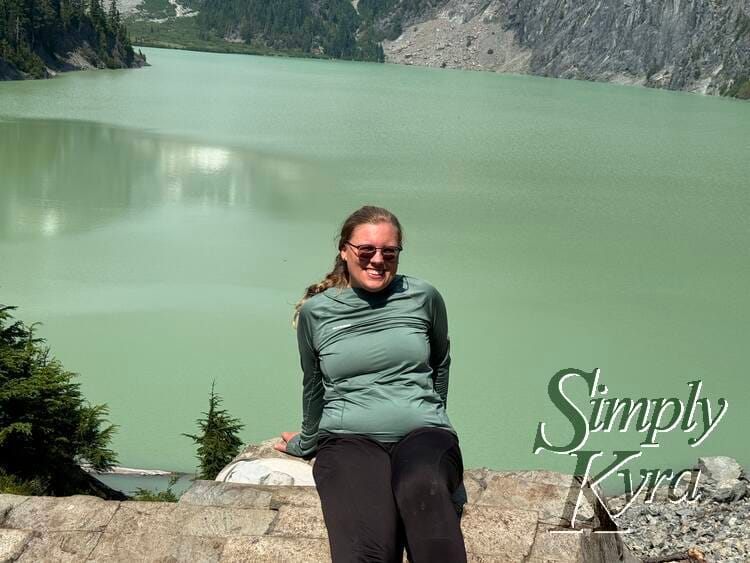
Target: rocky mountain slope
{"type": "Point", "coordinates": [695, 45]}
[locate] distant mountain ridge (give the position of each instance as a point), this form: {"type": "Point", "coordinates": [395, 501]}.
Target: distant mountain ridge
{"type": "Point", "coordinates": [694, 45]}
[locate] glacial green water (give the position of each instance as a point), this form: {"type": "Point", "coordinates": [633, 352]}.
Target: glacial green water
{"type": "Point", "coordinates": [162, 222]}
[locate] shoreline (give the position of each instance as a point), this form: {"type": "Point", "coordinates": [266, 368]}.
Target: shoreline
{"type": "Point", "coordinates": [131, 471]}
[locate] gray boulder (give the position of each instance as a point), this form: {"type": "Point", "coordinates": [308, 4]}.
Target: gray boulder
{"type": "Point", "coordinates": [724, 471]}
{"type": "Point", "coordinates": [267, 472]}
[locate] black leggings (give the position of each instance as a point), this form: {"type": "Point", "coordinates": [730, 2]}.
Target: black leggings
{"type": "Point", "coordinates": [378, 498]}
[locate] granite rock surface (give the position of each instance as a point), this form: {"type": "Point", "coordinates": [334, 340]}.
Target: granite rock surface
{"type": "Point", "coordinates": [510, 516]}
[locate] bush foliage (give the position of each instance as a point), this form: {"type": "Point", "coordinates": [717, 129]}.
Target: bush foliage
{"type": "Point", "coordinates": [219, 441]}
{"type": "Point", "coordinates": [46, 426]}
{"type": "Point", "coordinates": [167, 495]}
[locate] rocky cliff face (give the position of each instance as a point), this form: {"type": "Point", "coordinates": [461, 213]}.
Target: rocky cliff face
{"type": "Point", "coordinates": [694, 45]}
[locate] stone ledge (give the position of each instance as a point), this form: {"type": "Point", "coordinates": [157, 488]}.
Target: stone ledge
{"type": "Point", "coordinates": [508, 518]}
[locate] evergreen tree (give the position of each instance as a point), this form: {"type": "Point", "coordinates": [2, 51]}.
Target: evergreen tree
{"type": "Point", "coordinates": [32, 31]}
{"type": "Point", "coordinates": [66, 13]}
{"type": "Point", "coordinates": [113, 17]}
{"type": "Point", "coordinates": [46, 427]}
{"type": "Point", "coordinates": [329, 27]}
{"type": "Point", "coordinates": [218, 442]}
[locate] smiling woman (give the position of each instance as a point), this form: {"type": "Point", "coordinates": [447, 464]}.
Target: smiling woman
{"type": "Point", "coordinates": [371, 266]}
{"type": "Point", "coordinates": [375, 355]}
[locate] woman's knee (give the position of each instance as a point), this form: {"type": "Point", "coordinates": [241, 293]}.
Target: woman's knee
{"type": "Point", "coordinates": [420, 484]}
{"type": "Point", "coordinates": [428, 455]}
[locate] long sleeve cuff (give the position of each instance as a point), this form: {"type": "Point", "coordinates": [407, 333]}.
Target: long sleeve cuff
{"type": "Point", "coordinates": [294, 447]}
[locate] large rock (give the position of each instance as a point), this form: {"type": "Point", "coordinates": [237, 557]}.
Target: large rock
{"type": "Point", "coordinates": [262, 464]}
{"type": "Point", "coordinates": [267, 472]}
{"type": "Point", "coordinates": [724, 471]}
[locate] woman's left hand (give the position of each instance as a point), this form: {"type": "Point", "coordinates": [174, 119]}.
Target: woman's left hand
{"type": "Point", "coordinates": [286, 436]}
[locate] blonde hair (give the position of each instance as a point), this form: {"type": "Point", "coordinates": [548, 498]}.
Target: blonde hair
{"type": "Point", "coordinates": [339, 275]}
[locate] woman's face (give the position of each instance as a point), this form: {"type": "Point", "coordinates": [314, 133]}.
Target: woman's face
{"type": "Point", "coordinates": [375, 273]}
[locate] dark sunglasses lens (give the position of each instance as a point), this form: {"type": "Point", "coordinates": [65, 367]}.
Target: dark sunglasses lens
{"type": "Point", "coordinates": [367, 252]}
{"type": "Point", "coordinates": [390, 253]}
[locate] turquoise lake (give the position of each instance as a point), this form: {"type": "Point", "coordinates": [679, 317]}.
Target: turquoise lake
{"type": "Point", "coordinates": [162, 222]}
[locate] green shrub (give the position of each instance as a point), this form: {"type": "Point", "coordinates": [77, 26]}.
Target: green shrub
{"type": "Point", "coordinates": [47, 429]}
{"type": "Point", "coordinates": [219, 442]}
{"type": "Point", "coordinates": [11, 485]}
{"type": "Point", "coordinates": [158, 496]}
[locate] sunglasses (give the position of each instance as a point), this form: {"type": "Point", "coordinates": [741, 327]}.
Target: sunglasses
{"type": "Point", "coordinates": [368, 251]}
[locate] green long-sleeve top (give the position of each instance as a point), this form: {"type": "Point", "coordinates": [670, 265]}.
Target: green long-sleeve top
{"type": "Point", "coordinates": [374, 363]}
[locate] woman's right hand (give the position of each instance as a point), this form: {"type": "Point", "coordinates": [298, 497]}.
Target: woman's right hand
{"type": "Point", "coordinates": [285, 436]}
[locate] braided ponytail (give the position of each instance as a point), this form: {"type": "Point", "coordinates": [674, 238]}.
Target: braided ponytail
{"type": "Point", "coordinates": [339, 275]}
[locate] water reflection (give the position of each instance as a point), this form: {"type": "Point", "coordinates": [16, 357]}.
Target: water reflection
{"type": "Point", "coordinates": [69, 176]}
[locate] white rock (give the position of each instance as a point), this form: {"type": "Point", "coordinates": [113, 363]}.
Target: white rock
{"type": "Point", "coordinates": [724, 470]}
{"type": "Point", "coordinates": [271, 471]}
{"type": "Point", "coordinates": [277, 478]}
